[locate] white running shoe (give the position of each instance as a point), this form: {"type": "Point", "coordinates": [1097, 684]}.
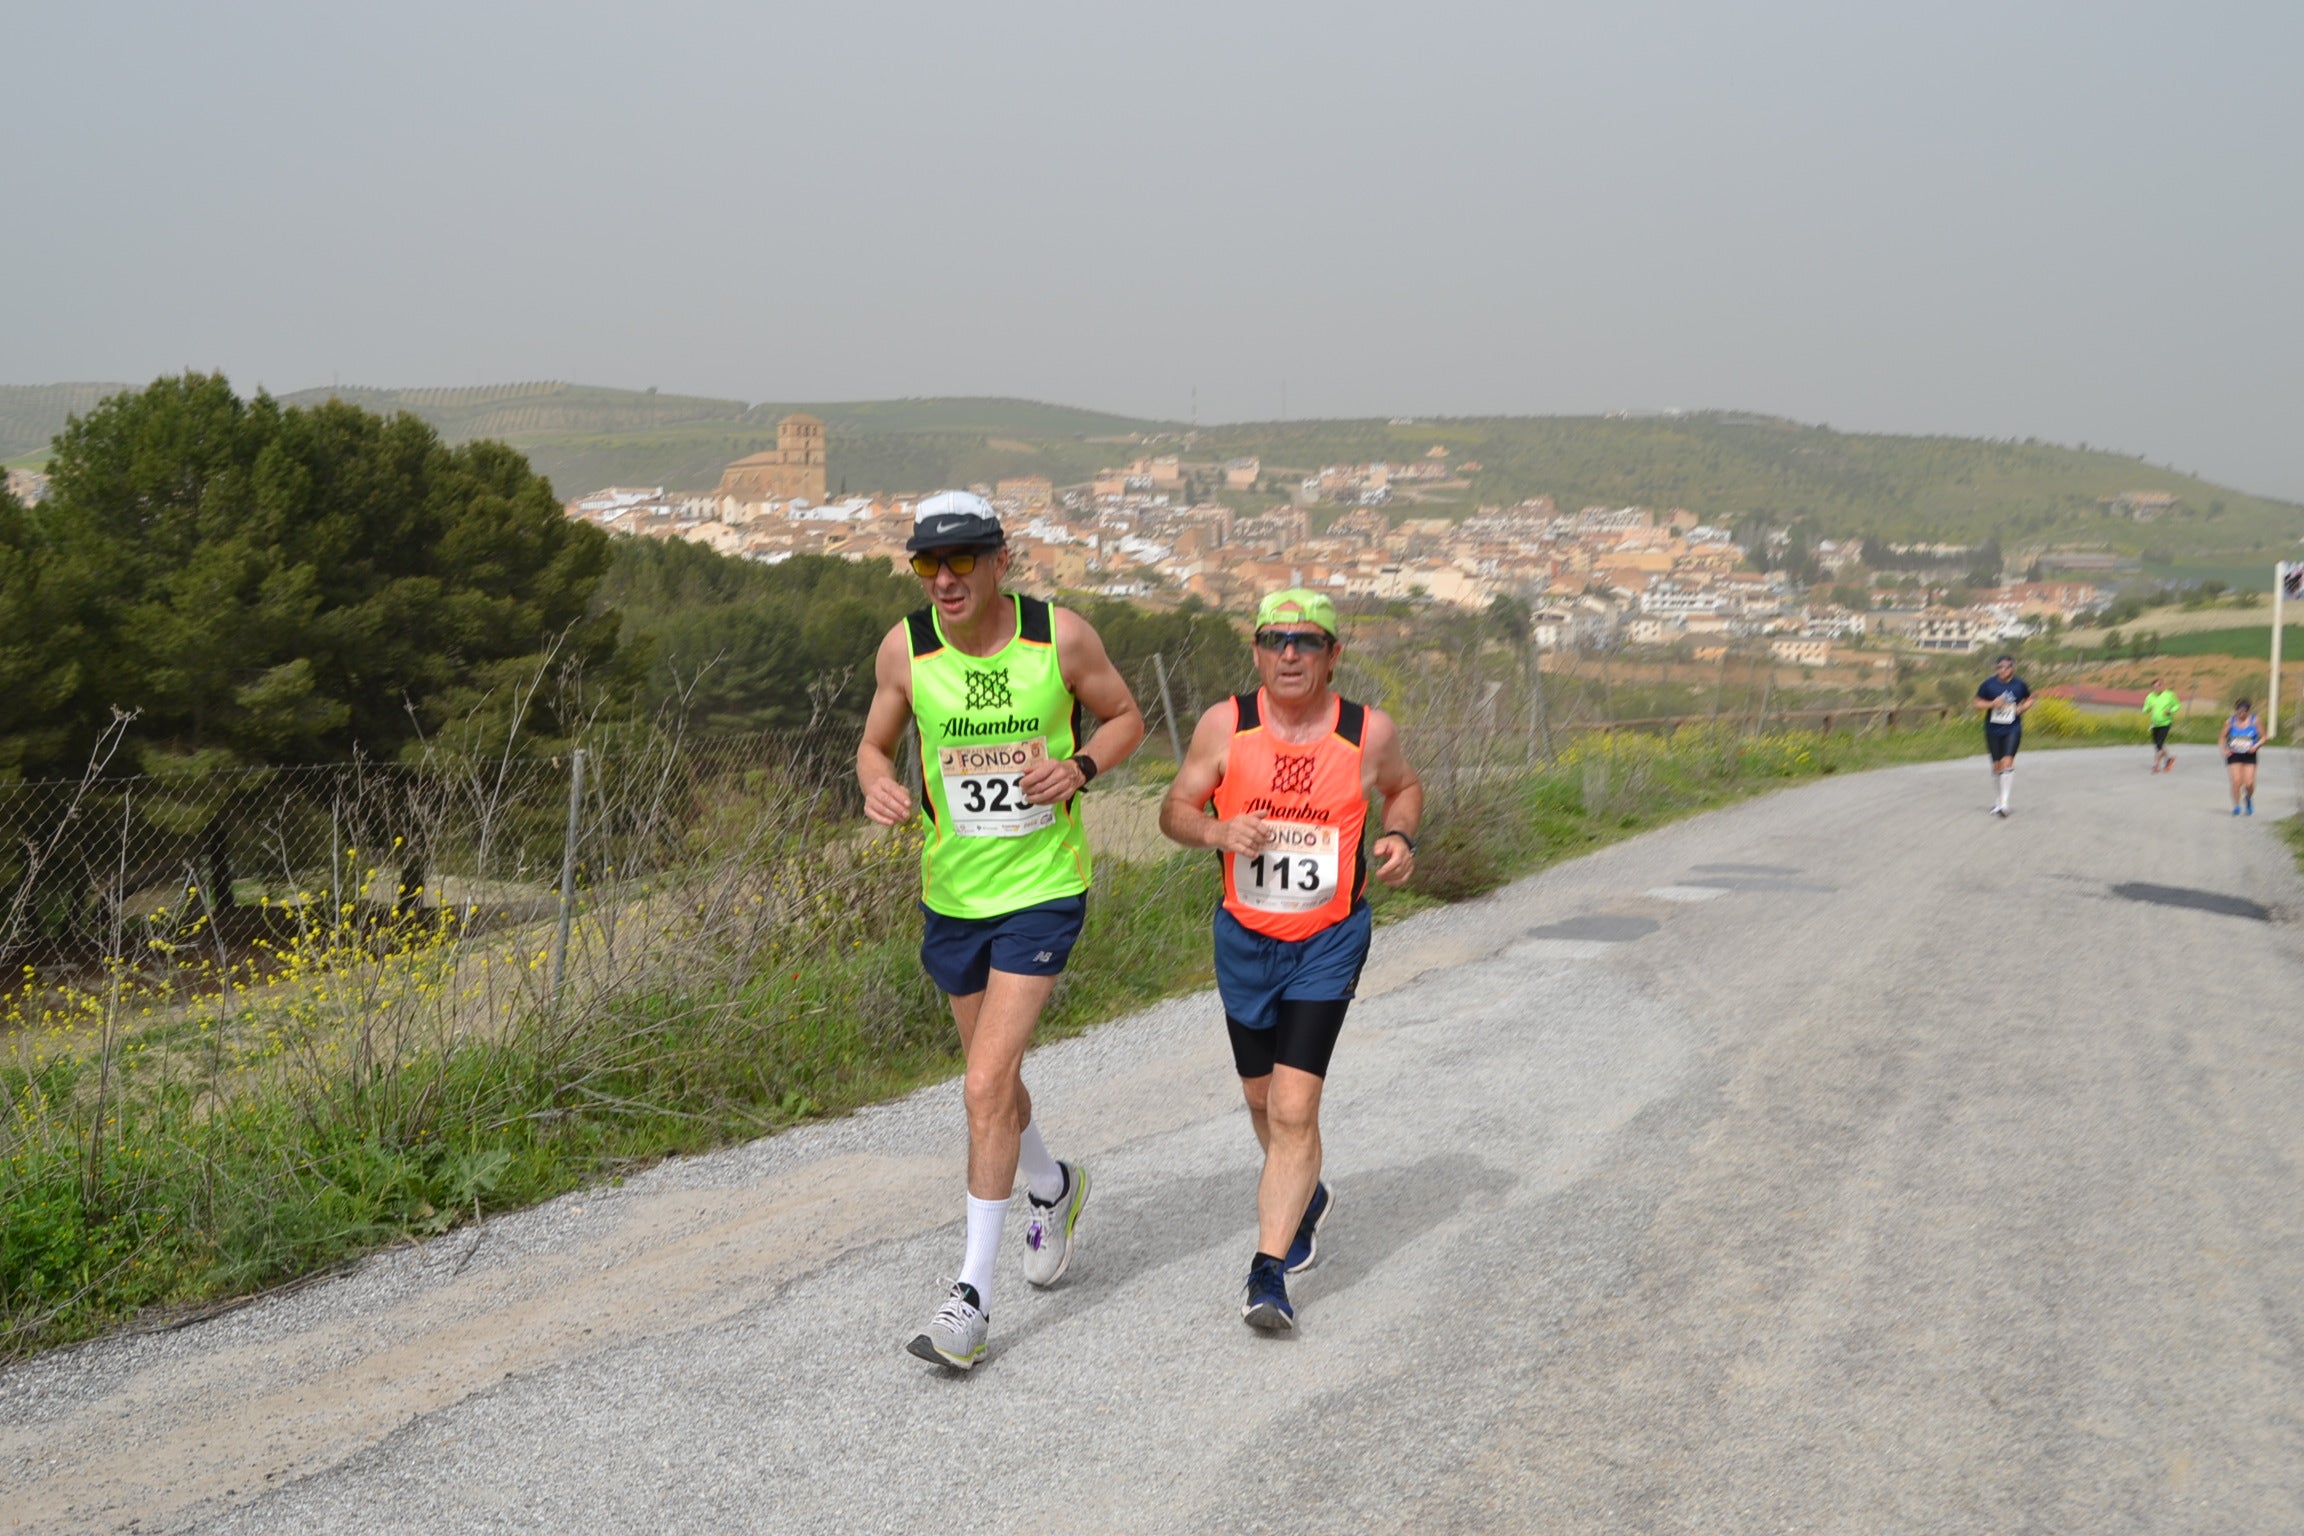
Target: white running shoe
{"type": "Point", "coordinates": [955, 1335]}
{"type": "Point", "coordinates": [1048, 1228]}
{"type": "Point", "coordinates": [2000, 810]}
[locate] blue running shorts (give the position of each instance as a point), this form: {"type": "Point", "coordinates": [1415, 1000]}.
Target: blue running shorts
{"type": "Point", "coordinates": [1254, 974]}
{"type": "Point", "coordinates": [960, 953]}
{"type": "Point", "coordinates": [2002, 740]}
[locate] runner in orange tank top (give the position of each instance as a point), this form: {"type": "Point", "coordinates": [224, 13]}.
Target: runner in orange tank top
{"type": "Point", "coordinates": [1290, 772]}
{"type": "Point", "coordinates": [1311, 800]}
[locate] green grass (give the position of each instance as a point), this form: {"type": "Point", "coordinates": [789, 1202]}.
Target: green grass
{"type": "Point", "coordinates": [2239, 576]}
{"type": "Point", "coordinates": [2292, 829]}
{"type": "Point", "coordinates": [221, 1155]}
{"type": "Point", "coordinates": [1732, 466]}
{"type": "Point", "coordinates": [226, 1159]}
{"type": "Point", "coordinates": [2248, 643]}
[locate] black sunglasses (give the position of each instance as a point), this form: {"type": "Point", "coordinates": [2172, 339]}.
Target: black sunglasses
{"type": "Point", "coordinates": [1280, 641]}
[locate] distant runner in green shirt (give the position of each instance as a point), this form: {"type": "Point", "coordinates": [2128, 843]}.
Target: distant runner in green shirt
{"type": "Point", "coordinates": [2161, 709]}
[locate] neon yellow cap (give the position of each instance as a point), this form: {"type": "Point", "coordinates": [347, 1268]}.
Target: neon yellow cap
{"type": "Point", "coordinates": [1297, 605]}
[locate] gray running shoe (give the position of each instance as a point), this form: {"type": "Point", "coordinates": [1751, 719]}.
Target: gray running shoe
{"type": "Point", "coordinates": [955, 1336]}
{"type": "Point", "coordinates": [1048, 1228]}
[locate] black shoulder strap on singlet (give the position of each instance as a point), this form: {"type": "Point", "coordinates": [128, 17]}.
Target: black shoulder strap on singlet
{"type": "Point", "coordinates": [1034, 620]}
{"type": "Point", "coordinates": [1351, 720]}
{"type": "Point", "coordinates": [1249, 719]}
{"type": "Point", "coordinates": [922, 624]}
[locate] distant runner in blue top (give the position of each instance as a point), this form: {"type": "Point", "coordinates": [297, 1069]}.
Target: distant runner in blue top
{"type": "Point", "coordinates": [2243, 734]}
{"type": "Point", "coordinates": [2003, 698]}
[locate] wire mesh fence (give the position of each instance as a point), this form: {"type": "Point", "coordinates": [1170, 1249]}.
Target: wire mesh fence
{"type": "Point", "coordinates": [254, 1020]}
{"type": "Point", "coordinates": [91, 868]}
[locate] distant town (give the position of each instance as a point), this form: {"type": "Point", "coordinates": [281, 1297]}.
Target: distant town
{"type": "Point", "coordinates": [1593, 576]}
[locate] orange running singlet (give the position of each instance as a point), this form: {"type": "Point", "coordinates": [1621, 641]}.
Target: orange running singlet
{"type": "Point", "coordinates": [1312, 875]}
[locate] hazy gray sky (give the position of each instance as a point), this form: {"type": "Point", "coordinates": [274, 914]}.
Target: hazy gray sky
{"type": "Point", "coordinates": [2079, 220]}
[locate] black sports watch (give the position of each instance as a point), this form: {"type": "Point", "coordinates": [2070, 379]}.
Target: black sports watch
{"type": "Point", "coordinates": [1088, 770]}
{"type": "Point", "coordinates": [1404, 837]}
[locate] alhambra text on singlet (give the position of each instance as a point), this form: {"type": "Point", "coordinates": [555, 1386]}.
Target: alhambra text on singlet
{"type": "Point", "coordinates": [960, 725]}
{"type": "Point", "coordinates": [1265, 805]}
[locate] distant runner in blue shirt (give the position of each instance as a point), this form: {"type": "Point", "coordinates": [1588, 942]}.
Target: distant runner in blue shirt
{"type": "Point", "coordinates": [2243, 734]}
{"type": "Point", "coordinates": [2003, 698]}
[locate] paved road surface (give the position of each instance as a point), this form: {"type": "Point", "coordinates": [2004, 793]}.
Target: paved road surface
{"type": "Point", "coordinates": [1848, 1161]}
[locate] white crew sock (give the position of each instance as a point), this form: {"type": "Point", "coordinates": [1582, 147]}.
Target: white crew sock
{"type": "Point", "coordinates": [1043, 1175]}
{"type": "Point", "coordinates": [986, 1218]}
{"type": "Point", "coordinates": [2007, 783]}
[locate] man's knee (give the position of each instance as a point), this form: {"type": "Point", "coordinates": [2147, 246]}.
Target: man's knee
{"type": "Point", "coordinates": [1257, 1091]}
{"type": "Point", "coordinates": [991, 1092]}
{"type": "Point", "coordinates": [1293, 1113]}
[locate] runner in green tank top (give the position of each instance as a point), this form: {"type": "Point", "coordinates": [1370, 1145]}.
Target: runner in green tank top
{"type": "Point", "coordinates": [983, 723]}
{"type": "Point", "coordinates": [2162, 708]}
{"type": "Point", "coordinates": [997, 689]}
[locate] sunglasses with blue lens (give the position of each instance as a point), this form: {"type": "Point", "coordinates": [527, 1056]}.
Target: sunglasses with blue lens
{"type": "Point", "coordinates": [1279, 642]}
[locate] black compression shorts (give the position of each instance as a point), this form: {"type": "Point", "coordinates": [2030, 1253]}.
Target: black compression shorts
{"type": "Point", "coordinates": [1303, 1038]}
{"type": "Point", "coordinates": [2238, 758]}
{"type": "Point", "coordinates": [2160, 735]}
{"type": "Point", "coordinates": [2002, 740]}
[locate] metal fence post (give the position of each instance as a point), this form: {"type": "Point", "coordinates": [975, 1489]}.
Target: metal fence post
{"type": "Point", "coordinates": [1168, 708]}
{"type": "Point", "coordinates": [568, 871]}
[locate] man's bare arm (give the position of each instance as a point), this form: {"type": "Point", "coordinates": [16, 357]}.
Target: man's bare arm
{"type": "Point", "coordinates": [1183, 813]}
{"type": "Point", "coordinates": [1096, 683]}
{"type": "Point", "coordinates": [1402, 793]}
{"type": "Point", "coordinates": [886, 800]}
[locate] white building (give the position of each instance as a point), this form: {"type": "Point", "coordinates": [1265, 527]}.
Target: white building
{"type": "Point", "coordinates": [1947, 632]}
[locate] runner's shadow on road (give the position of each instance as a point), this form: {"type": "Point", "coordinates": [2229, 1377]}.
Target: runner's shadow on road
{"type": "Point", "coordinates": [1378, 1213]}
{"type": "Point", "coordinates": [1382, 1211]}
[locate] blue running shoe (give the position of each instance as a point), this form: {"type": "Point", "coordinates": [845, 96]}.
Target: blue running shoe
{"type": "Point", "coordinates": [1265, 1306]}
{"type": "Point", "coordinates": [1304, 1252]}
{"type": "Point", "coordinates": [2235, 810]}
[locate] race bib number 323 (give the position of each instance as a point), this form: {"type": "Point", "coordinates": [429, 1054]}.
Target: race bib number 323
{"type": "Point", "coordinates": [1296, 874]}
{"type": "Point", "coordinates": [984, 788]}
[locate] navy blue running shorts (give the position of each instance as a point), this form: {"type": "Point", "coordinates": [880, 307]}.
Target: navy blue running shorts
{"type": "Point", "coordinates": [1255, 974]}
{"type": "Point", "coordinates": [960, 953]}
{"type": "Point", "coordinates": [2002, 740]}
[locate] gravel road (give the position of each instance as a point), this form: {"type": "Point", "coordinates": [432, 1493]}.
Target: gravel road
{"type": "Point", "coordinates": [1845, 1161]}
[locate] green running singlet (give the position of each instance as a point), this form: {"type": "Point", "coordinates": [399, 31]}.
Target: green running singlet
{"type": "Point", "coordinates": [982, 721]}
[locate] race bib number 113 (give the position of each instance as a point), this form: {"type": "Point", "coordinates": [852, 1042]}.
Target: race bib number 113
{"type": "Point", "coordinates": [984, 788]}
{"type": "Point", "coordinates": [1296, 874]}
